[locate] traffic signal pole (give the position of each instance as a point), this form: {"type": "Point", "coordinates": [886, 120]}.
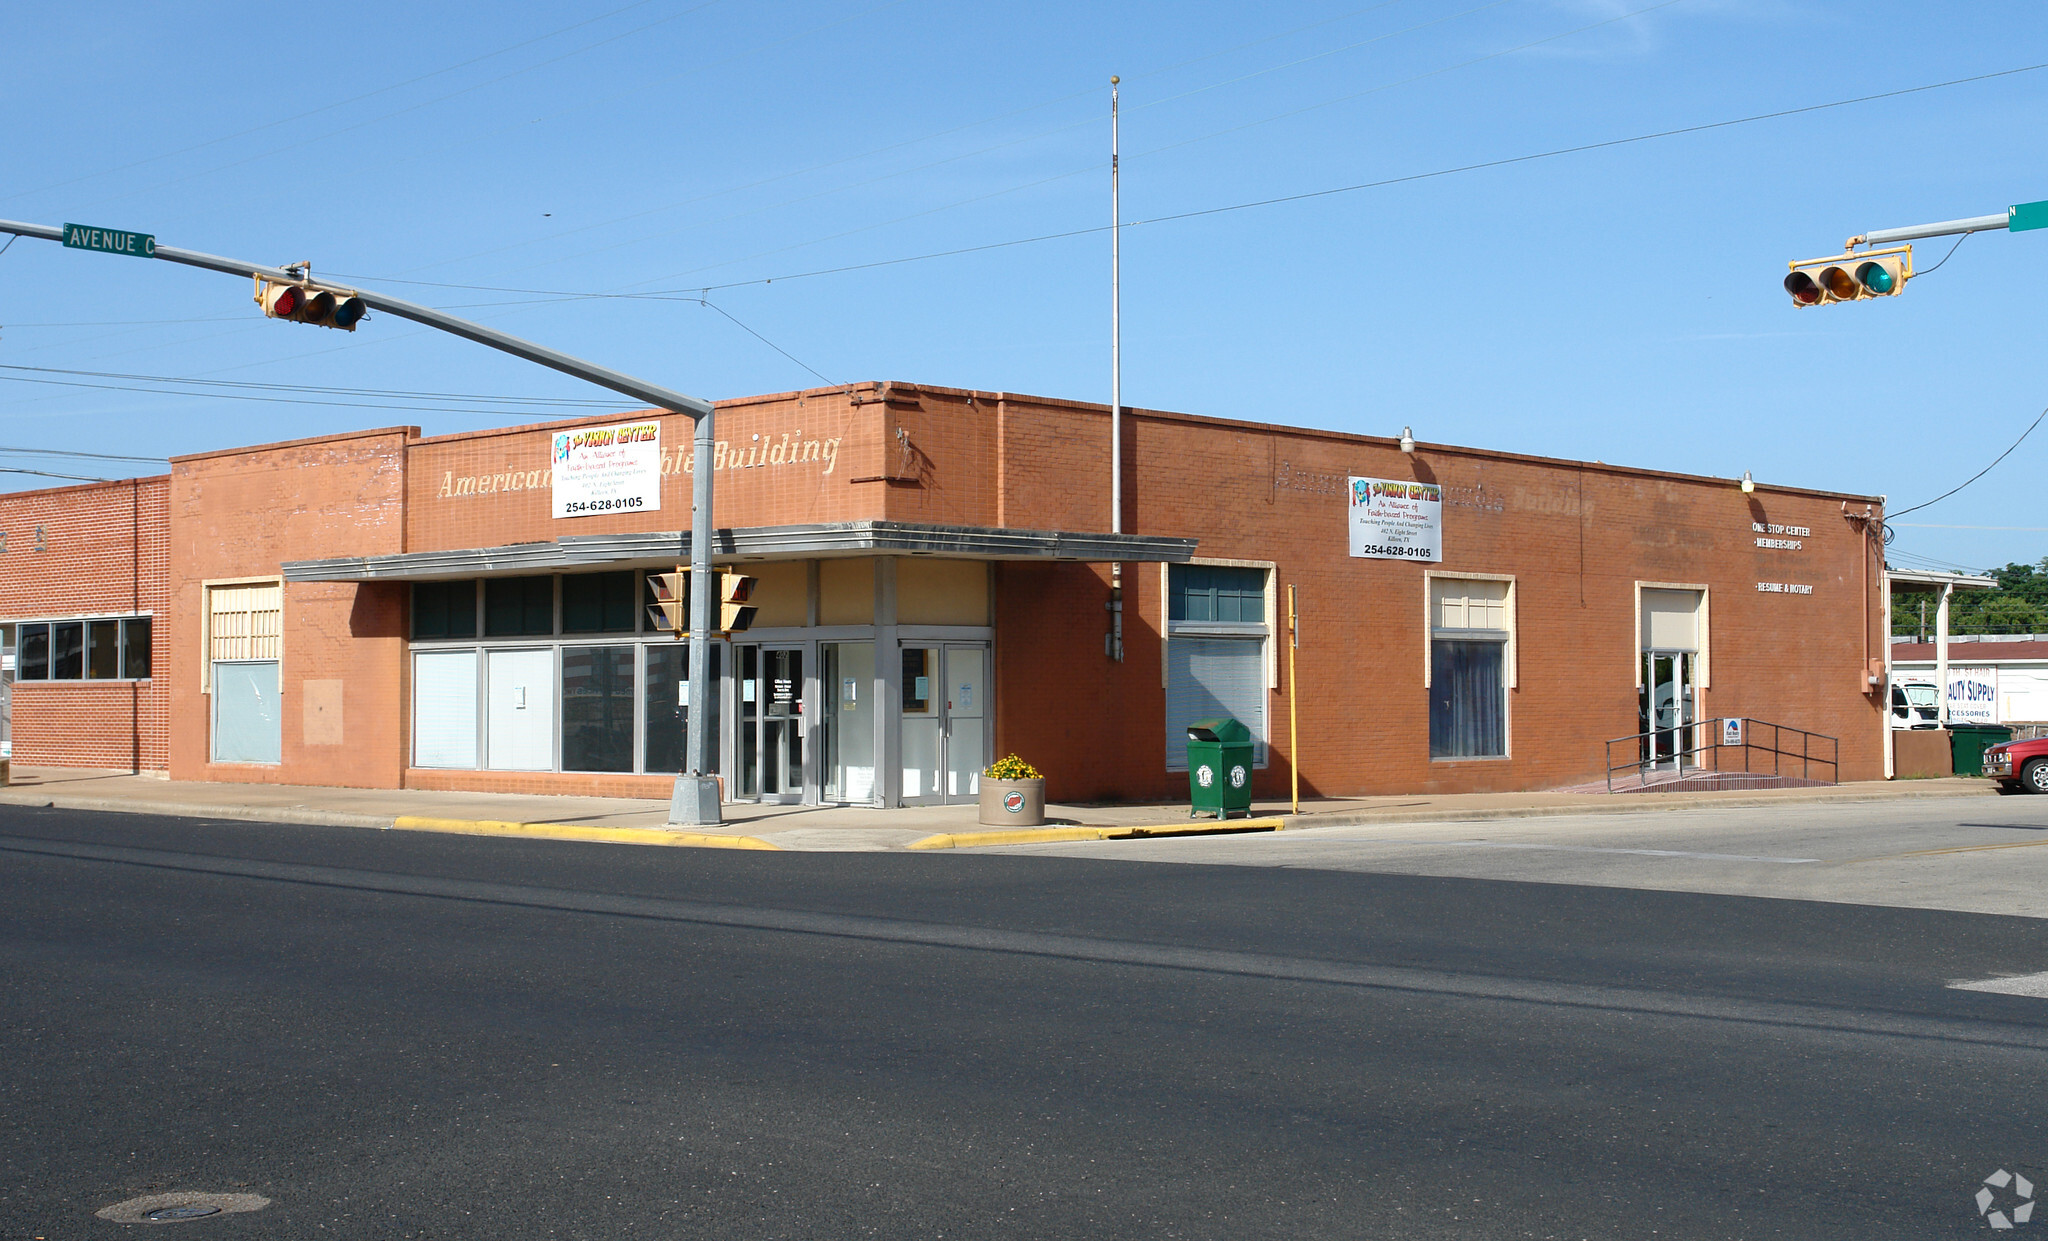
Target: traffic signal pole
{"type": "Point", "coordinates": [1947, 228]}
{"type": "Point", "coordinates": [695, 801]}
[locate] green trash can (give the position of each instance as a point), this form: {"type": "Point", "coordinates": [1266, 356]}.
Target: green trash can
{"type": "Point", "coordinates": [1219, 768]}
{"type": "Point", "coordinates": [1967, 743]}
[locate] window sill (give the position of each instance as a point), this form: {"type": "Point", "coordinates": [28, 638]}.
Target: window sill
{"type": "Point", "coordinates": [1472, 758]}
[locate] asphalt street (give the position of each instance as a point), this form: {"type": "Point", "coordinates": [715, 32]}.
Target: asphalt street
{"type": "Point", "coordinates": [411, 1036]}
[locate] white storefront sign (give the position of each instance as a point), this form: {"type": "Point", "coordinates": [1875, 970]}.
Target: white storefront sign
{"type": "Point", "coordinates": [607, 470]}
{"type": "Point", "coordinates": [1394, 520]}
{"type": "Point", "coordinates": [1973, 695]}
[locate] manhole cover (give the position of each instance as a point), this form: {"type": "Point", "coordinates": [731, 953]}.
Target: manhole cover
{"type": "Point", "coordinates": [179, 1207]}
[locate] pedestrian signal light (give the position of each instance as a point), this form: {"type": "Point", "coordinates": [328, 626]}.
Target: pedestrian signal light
{"type": "Point", "coordinates": [734, 612]}
{"type": "Point", "coordinates": [1850, 277]}
{"type": "Point", "coordinates": [670, 609]}
{"type": "Point", "coordinates": [305, 304]}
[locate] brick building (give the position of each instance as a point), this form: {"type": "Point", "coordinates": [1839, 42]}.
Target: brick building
{"type": "Point", "coordinates": [935, 588]}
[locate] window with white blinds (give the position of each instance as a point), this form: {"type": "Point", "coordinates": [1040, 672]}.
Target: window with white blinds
{"type": "Point", "coordinates": [444, 709]}
{"type": "Point", "coordinates": [1208, 677]}
{"type": "Point", "coordinates": [244, 621]}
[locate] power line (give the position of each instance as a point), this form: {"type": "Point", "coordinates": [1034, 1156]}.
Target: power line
{"type": "Point", "coordinates": [77, 478]}
{"type": "Point", "coordinates": [696, 293]}
{"type": "Point", "coordinates": [396, 393]}
{"type": "Point", "coordinates": [1980, 473]}
{"type": "Point", "coordinates": [63, 452]}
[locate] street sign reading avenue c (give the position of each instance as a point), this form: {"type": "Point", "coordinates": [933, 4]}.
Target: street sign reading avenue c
{"type": "Point", "coordinates": [112, 241]}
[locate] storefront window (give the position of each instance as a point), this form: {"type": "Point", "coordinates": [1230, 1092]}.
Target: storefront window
{"type": "Point", "coordinates": [597, 708]}
{"type": "Point", "coordinates": [668, 706]}
{"type": "Point", "coordinates": [444, 609]}
{"type": "Point", "coordinates": [519, 607]}
{"type": "Point", "coordinates": [847, 680]}
{"type": "Point", "coordinates": [598, 602]}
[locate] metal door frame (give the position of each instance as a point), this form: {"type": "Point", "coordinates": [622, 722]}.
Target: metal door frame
{"type": "Point", "coordinates": [943, 760]}
{"type": "Point", "coordinates": [1685, 698]}
{"type": "Point", "coordinates": [807, 792]}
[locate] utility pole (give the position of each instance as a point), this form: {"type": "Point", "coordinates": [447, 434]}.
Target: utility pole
{"type": "Point", "coordinates": [695, 800]}
{"type": "Point", "coordinates": [1116, 384]}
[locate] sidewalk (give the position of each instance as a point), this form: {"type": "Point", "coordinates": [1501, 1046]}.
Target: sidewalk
{"type": "Point", "coordinates": [840, 828]}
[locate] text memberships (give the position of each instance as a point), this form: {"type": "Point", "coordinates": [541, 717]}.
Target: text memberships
{"type": "Point", "coordinates": [1784, 588]}
{"type": "Point", "coordinates": [1790, 545]}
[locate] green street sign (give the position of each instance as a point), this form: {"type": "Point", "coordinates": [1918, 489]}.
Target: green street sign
{"type": "Point", "coordinates": [110, 240]}
{"type": "Point", "coordinates": [2025, 216]}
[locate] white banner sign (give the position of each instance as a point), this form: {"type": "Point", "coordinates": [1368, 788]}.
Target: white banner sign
{"type": "Point", "coordinates": [1973, 695]}
{"type": "Point", "coordinates": [1392, 520]}
{"type": "Point", "coordinates": [608, 469]}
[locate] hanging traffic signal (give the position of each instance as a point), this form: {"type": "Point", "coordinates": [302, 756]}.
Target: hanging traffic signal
{"type": "Point", "coordinates": [734, 612]}
{"type": "Point", "coordinates": [670, 609]}
{"type": "Point", "coordinates": [1850, 277]}
{"type": "Point", "coordinates": [305, 304]}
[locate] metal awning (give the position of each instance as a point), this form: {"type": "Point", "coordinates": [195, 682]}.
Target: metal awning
{"type": "Point", "coordinates": [806, 542]}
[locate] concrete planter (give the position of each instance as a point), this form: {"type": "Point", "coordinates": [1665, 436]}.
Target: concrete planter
{"type": "Point", "coordinates": [1013, 803]}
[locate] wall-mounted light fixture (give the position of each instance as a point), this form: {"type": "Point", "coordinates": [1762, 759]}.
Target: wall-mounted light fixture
{"type": "Point", "coordinates": [1748, 483]}
{"type": "Point", "coordinates": [1408, 439]}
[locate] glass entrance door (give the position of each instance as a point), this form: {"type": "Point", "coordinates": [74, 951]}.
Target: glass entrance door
{"type": "Point", "coordinates": [944, 722]}
{"type": "Point", "coordinates": [770, 737]}
{"type": "Point", "coordinates": [1667, 709]}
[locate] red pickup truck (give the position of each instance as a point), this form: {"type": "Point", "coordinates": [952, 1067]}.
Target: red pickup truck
{"type": "Point", "coordinates": [2018, 766]}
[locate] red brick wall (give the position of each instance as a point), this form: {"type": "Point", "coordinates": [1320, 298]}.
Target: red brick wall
{"type": "Point", "coordinates": [242, 514]}
{"type": "Point", "coordinates": [96, 549]}
{"type": "Point", "coordinates": [1578, 538]}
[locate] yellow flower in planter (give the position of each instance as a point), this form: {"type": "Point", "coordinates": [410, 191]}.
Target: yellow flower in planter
{"type": "Point", "coordinates": [1012, 768]}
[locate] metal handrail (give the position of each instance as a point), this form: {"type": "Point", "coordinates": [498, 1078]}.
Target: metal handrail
{"type": "Point", "coordinates": [1714, 753]}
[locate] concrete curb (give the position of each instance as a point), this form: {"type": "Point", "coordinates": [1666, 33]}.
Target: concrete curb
{"type": "Point", "coordinates": [186, 810]}
{"type": "Point", "coordinates": [1054, 835]}
{"type": "Point", "coordinates": [1622, 804]}
{"type": "Point", "coordinates": [564, 831]}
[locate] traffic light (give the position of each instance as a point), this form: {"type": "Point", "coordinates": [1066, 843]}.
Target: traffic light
{"type": "Point", "coordinates": [734, 612]}
{"type": "Point", "coordinates": [305, 304]}
{"type": "Point", "coordinates": [1850, 277]}
{"type": "Point", "coordinates": [670, 610]}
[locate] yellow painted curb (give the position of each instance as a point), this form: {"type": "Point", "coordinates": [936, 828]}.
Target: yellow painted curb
{"type": "Point", "coordinates": [559, 831]}
{"type": "Point", "coordinates": [1053, 835]}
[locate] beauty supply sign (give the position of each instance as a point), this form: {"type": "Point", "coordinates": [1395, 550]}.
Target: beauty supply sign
{"type": "Point", "coordinates": [1392, 520]}
{"type": "Point", "coordinates": [607, 470]}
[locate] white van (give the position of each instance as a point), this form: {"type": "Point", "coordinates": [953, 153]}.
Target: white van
{"type": "Point", "coordinates": [1916, 704]}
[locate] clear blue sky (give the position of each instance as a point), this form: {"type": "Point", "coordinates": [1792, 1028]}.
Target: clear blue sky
{"type": "Point", "coordinates": [1621, 304]}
